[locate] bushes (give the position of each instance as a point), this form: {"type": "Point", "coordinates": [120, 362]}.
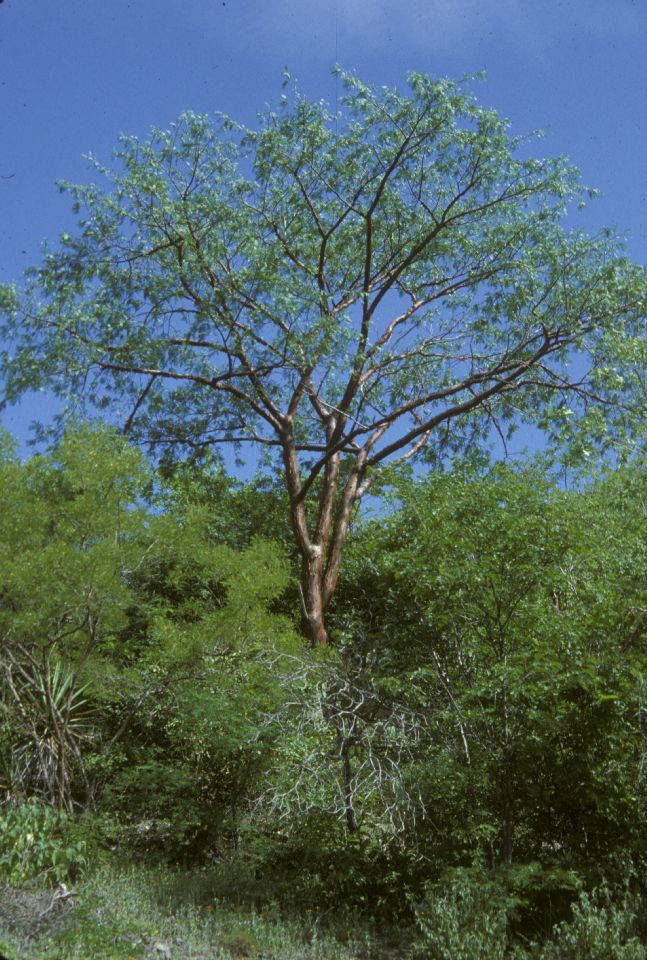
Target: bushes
{"type": "Point", "coordinates": [601, 929]}
{"type": "Point", "coordinates": [483, 704]}
{"type": "Point", "coordinates": [468, 918]}
{"type": "Point", "coordinates": [460, 923]}
{"type": "Point", "coordinates": [38, 843]}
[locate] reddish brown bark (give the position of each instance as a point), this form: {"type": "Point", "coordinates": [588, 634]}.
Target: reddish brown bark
{"type": "Point", "coordinates": [313, 600]}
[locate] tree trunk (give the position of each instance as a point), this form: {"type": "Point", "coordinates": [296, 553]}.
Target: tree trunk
{"type": "Point", "coordinates": [321, 543]}
{"type": "Point", "coordinates": [348, 788]}
{"type": "Point", "coordinates": [312, 580]}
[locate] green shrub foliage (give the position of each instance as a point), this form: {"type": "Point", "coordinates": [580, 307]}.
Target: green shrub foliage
{"type": "Point", "coordinates": [601, 929]}
{"type": "Point", "coordinates": [467, 758]}
{"type": "Point", "coordinates": [39, 844]}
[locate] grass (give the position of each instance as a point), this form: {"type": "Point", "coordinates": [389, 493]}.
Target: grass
{"type": "Point", "coordinates": [127, 912]}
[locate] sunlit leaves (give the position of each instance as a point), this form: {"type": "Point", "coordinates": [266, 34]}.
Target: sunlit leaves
{"type": "Point", "coordinates": [339, 292]}
{"type": "Point", "coordinates": [513, 611]}
{"type": "Point", "coordinates": [228, 263]}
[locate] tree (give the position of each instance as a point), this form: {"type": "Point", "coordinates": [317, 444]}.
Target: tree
{"type": "Point", "coordinates": [342, 292]}
{"type": "Point", "coordinates": [511, 614]}
{"type": "Point", "coordinates": [120, 622]}
{"type": "Point", "coordinates": [72, 534]}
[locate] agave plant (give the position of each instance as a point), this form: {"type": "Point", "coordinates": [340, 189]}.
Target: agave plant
{"type": "Point", "coordinates": [49, 714]}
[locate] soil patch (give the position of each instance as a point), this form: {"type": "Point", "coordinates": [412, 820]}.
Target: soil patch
{"type": "Point", "coordinates": [28, 915]}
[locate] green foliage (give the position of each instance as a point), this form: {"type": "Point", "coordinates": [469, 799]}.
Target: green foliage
{"type": "Point", "coordinates": [55, 721]}
{"type": "Point", "coordinates": [601, 929]}
{"type": "Point", "coordinates": [9, 951]}
{"type": "Point", "coordinates": [73, 533]}
{"type": "Point", "coordinates": [468, 915]}
{"type": "Point", "coordinates": [131, 643]}
{"type": "Point", "coordinates": [280, 255]}
{"type": "Point", "coordinates": [73, 521]}
{"type": "Point", "coordinates": [341, 293]}
{"type": "Point", "coordinates": [470, 754]}
{"type": "Point", "coordinates": [510, 615]}
{"type": "Point", "coordinates": [39, 844]}
{"type": "Point", "coordinates": [463, 918]}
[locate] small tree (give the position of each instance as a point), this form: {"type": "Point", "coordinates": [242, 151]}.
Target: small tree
{"type": "Point", "coordinates": [511, 614]}
{"type": "Point", "coordinates": [344, 292]}
{"type": "Point", "coordinates": [117, 620]}
{"type": "Point", "coordinates": [72, 535]}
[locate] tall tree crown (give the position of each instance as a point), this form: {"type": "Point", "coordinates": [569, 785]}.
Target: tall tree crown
{"type": "Point", "coordinates": [346, 291]}
{"type": "Point", "coordinates": [402, 262]}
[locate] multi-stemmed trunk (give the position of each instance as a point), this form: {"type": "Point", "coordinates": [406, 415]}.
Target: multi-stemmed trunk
{"type": "Point", "coordinates": [312, 591]}
{"type": "Point", "coordinates": [321, 536]}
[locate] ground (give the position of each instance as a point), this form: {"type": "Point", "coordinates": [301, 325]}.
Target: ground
{"type": "Point", "coordinates": [132, 913]}
{"type": "Point", "coordinates": [31, 916]}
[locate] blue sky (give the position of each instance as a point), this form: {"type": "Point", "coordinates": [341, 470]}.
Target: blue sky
{"type": "Point", "coordinates": [74, 74]}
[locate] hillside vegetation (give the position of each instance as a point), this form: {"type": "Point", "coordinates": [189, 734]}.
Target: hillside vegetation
{"type": "Point", "coordinates": [459, 774]}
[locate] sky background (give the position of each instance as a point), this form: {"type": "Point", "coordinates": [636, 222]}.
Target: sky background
{"type": "Point", "coordinates": [74, 74]}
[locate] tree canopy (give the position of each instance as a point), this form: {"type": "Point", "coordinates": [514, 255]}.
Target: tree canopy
{"type": "Point", "coordinates": [341, 291]}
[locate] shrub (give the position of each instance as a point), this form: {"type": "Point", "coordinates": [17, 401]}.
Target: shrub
{"type": "Point", "coordinates": [37, 842]}
{"type": "Point", "coordinates": [599, 930]}
{"type": "Point", "coordinates": [464, 918]}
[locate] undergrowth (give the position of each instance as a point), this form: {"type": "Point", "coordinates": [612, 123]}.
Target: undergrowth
{"type": "Point", "coordinates": [129, 912]}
